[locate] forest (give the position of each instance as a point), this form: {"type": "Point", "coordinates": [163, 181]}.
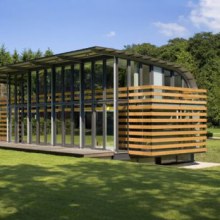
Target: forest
{"type": "Point", "coordinates": [199, 54]}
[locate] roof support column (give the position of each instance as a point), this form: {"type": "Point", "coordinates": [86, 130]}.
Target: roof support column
{"type": "Point", "coordinates": [63, 120]}
{"type": "Point", "coordinates": [93, 107]}
{"type": "Point", "coordinates": [53, 107]}
{"type": "Point", "coordinates": [82, 113]}
{"type": "Point", "coordinates": [45, 106]}
{"type": "Point", "coordinates": [29, 125]}
{"type": "Point", "coordinates": [115, 101]}
{"type": "Point", "coordinates": [16, 110]}
{"type": "Point", "coordinates": [8, 108]}
{"type": "Point", "coordinates": [72, 105]}
{"type": "Point", "coordinates": [104, 114]}
{"type": "Point", "coordinates": [37, 109]}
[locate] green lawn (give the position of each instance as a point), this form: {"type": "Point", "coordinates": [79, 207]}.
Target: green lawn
{"type": "Point", "coordinates": [88, 140]}
{"type": "Point", "coordinates": [215, 131]}
{"type": "Point", "coordinates": [213, 153]}
{"type": "Point", "coordinates": [36, 186]}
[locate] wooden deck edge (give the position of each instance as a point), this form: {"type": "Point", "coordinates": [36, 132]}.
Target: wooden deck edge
{"type": "Point", "coordinates": [104, 154]}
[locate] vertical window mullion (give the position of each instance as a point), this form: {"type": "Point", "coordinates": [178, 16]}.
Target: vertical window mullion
{"type": "Point", "coordinates": [63, 125]}
{"type": "Point", "coordinates": [104, 115]}
{"type": "Point", "coordinates": [15, 110]}
{"type": "Point", "coordinates": [45, 106]}
{"type": "Point", "coordinates": [93, 107]}
{"type": "Point", "coordinates": [53, 107]}
{"type": "Point", "coordinates": [72, 105]}
{"type": "Point", "coordinates": [37, 109]}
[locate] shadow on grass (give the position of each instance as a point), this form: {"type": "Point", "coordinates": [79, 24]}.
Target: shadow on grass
{"type": "Point", "coordinates": [92, 189]}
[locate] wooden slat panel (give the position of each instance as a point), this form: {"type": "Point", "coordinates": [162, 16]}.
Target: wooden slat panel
{"type": "Point", "coordinates": [168, 88]}
{"type": "Point", "coordinates": [140, 114]}
{"type": "Point", "coordinates": [163, 140]}
{"type": "Point", "coordinates": [155, 127]}
{"type": "Point", "coordinates": [178, 95]}
{"type": "Point", "coordinates": [163, 153]}
{"type": "Point", "coordinates": [167, 101]}
{"type": "Point", "coordinates": [164, 133]}
{"type": "Point", "coordinates": [166, 146]}
{"type": "Point", "coordinates": [165, 107]}
{"type": "Point", "coordinates": [168, 120]}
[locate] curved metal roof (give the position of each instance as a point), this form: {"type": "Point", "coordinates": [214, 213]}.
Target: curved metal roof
{"type": "Point", "coordinates": [79, 56]}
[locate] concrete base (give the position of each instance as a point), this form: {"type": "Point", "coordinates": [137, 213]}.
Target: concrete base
{"type": "Point", "coordinates": [170, 159]}
{"type": "Point", "coordinates": [122, 156]}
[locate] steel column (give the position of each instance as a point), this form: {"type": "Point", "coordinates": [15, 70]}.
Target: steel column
{"type": "Point", "coordinates": [37, 109]}
{"type": "Point", "coordinates": [53, 107]}
{"type": "Point", "coordinates": [29, 125]}
{"type": "Point", "coordinates": [45, 106]}
{"type": "Point", "coordinates": [16, 109]}
{"type": "Point", "coordinates": [72, 105]}
{"type": "Point", "coordinates": [63, 106]}
{"type": "Point", "coordinates": [8, 108]}
{"type": "Point", "coordinates": [93, 107]}
{"type": "Point", "coordinates": [115, 102]}
{"type": "Point", "coordinates": [22, 110]}
{"type": "Point", "coordinates": [82, 113]}
{"type": "Point", "coordinates": [104, 114]}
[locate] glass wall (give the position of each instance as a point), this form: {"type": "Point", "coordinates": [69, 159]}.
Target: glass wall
{"type": "Point", "coordinates": [97, 107]}
{"type": "Point", "coordinates": [75, 107]}
{"type": "Point", "coordinates": [167, 78]}
{"type": "Point", "coordinates": [145, 75]}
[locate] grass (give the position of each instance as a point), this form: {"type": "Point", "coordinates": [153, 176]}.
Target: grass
{"type": "Point", "coordinates": [215, 131]}
{"type": "Point", "coordinates": [36, 186]}
{"type": "Point", "coordinates": [88, 140]}
{"type": "Point", "coordinates": [213, 153]}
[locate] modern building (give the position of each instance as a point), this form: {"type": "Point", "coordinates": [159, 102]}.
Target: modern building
{"type": "Point", "coordinates": [104, 98]}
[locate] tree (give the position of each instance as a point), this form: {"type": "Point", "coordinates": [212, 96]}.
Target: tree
{"type": "Point", "coordinates": [15, 57]}
{"type": "Point", "coordinates": [48, 52]}
{"type": "Point", "coordinates": [5, 57]}
{"type": "Point", "coordinates": [143, 49]}
{"type": "Point", "coordinates": [27, 55]}
{"type": "Point", "coordinates": [38, 54]}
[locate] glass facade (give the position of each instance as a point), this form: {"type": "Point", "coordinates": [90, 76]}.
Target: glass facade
{"type": "Point", "coordinates": [55, 105]}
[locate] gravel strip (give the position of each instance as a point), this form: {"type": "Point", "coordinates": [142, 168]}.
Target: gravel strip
{"type": "Point", "coordinates": [198, 165]}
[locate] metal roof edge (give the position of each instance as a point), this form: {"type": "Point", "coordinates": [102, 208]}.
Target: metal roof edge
{"type": "Point", "coordinates": [33, 63]}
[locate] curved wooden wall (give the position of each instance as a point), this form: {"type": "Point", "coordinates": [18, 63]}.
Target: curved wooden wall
{"type": "Point", "coordinates": [162, 120]}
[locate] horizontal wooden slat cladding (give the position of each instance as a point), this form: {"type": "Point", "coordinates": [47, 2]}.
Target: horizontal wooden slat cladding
{"type": "Point", "coordinates": [166, 146]}
{"type": "Point", "coordinates": [164, 153]}
{"type": "Point", "coordinates": [160, 118]}
{"type": "Point", "coordinates": [153, 120]}
{"type": "Point", "coordinates": [168, 88]}
{"type": "Point", "coordinates": [179, 95]}
{"type": "Point", "coordinates": [3, 120]}
{"type": "Point", "coordinates": [165, 107]}
{"type": "Point", "coordinates": [140, 114]}
{"type": "Point", "coordinates": [163, 133]}
{"type": "Point", "coordinates": [163, 140]}
{"type": "Point", "coordinates": [166, 101]}
{"type": "Point", "coordinates": [156, 127]}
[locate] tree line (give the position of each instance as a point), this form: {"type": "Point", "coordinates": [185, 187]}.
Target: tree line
{"type": "Point", "coordinates": [27, 54]}
{"type": "Point", "coordinates": [200, 55]}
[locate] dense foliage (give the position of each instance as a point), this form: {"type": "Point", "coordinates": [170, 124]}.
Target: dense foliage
{"type": "Point", "coordinates": [200, 55]}
{"type": "Point", "coordinates": [7, 58]}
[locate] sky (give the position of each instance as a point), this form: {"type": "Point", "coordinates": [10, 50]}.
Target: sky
{"type": "Point", "coordinates": [66, 25]}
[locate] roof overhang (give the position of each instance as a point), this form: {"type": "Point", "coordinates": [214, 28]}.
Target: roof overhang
{"type": "Point", "coordinates": [79, 56]}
